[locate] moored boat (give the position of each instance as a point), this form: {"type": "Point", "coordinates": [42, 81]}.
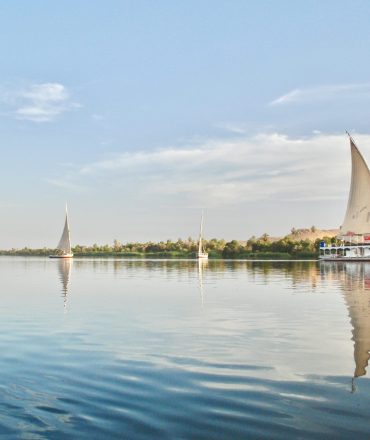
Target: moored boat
{"type": "Point", "coordinates": [353, 241]}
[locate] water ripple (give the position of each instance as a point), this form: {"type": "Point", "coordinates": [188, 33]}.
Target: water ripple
{"type": "Point", "coordinates": [133, 351]}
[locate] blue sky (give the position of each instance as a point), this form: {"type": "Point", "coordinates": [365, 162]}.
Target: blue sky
{"type": "Point", "coordinates": [140, 113]}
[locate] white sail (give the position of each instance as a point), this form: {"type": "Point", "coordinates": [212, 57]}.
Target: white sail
{"type": "Point", "coordinates": [65, 241]}
{"type": "Point", "coordinates": [357, 218]}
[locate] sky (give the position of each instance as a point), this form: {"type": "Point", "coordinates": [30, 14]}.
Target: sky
{"type": "Point", "coordinates": [139, 114]}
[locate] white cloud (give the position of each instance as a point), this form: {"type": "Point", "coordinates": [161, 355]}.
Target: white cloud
{"type": "Point", "coordinates": [323, 92]}
{"type": "Point", "coordinates": [47, 92]}
{"type": "Point", "coordinates": [65, 183]}
{"type": "Point", "coordinates": [261, 168]}
{"type": "Point", "coordinates": [40, 102]}
{"type": "Point", "coordinates": [232, 127]}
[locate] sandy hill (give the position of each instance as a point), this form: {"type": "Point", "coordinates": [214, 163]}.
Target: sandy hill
{"type": "Point", "coordinates": [312, 234]}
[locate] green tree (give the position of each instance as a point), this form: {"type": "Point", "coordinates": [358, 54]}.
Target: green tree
{"type": "Point", "coordinates": [232, 249]}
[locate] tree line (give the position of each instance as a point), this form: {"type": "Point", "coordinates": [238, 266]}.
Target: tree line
{"type": "Point", "coordinates": [261, 247]}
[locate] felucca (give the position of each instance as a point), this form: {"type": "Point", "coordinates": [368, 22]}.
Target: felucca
{"type": "Point", "coordinates": [201, 254]}
{"type": "Point", "coordinates": [64, 246]}
{"type": "Point", "coordinates": [354, 237]}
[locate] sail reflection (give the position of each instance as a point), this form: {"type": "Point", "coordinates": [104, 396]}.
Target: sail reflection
{"type": "Point", "coordinates": [64, 270]}
{"type": "Point", "coordinates": [202, 264]}
{"type": "Point", "coordinates": [355, 282]}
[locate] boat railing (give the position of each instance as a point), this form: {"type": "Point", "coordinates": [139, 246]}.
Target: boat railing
{"type": "Point", "coordinates": [346, 246]}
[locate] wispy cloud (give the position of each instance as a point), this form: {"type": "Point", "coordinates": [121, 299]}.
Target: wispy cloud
{"type": "Point", "coordinates": [39, 102]}
{"type": "Point", "coordinates": [260, 168]}
{"type": "Point", "coordinates": [67, 184]}
{"type": "Point", "coordinates": [232, 127]}
{"type": "Point", "coordinates": [324, 92]}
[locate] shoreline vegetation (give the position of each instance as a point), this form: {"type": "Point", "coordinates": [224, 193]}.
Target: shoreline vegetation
{"type": "Point", "coordinates": [299, 244]}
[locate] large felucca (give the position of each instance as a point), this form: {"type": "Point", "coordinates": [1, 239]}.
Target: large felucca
{"type": "Point", "coordinates": [354, 237]}
{"type": "Point", "coordinates": [64, 246]}
{"type": "Point", "coordinates": [201, 253]}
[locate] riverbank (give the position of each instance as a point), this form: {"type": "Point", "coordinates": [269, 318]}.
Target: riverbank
{"type": "Point", "coordinates": [174, 255]}
{"type": "Point", "coordinates": [299, 244]}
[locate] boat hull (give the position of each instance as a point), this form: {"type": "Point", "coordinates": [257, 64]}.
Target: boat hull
{"type": "Point", "coordinates": [354, 259]}
{"type": "Point", "coordinates": [61, 256]}
{"type": "Point", "coordinates": [202, 256]}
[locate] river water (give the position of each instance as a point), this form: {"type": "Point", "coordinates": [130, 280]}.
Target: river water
{"type": "Point", "coordinates": [170, 349]}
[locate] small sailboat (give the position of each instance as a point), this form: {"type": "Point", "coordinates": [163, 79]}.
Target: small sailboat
{"type": "Point", "coordinates": [201, 254]}
{"type": "Point", "coordinates": [64, 246]}
{"type": "Point", "coordinates": [354, 237]}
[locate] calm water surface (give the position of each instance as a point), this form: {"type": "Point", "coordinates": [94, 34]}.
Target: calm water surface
{"type": "Point", "coordinates": [173, 350]}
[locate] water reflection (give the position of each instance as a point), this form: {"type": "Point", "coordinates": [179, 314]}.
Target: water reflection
{"type": "Point", "coordinates": [202, 265]}
{"type": "Point", "coordinates": [296, 270]}
{"type": "Point", "coordinates": [64, 270]}
{"type": "Point", "coordinates": [354, 279]}
{"type": "Point", "coordinates": [270, 354]}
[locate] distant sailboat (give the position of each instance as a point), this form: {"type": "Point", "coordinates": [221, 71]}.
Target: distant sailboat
{"type": "Point", "coordinates": [64, 246]}
{"type": "Point", "coordinates": [201, 254]}
{"type": "Point", "coordinates": [355, 231]}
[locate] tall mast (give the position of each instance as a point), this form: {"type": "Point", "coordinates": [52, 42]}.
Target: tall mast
{"type": "Point", "coordinates": [69, 235]}
{"type": "Point", "coordinates": [200, 234]}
